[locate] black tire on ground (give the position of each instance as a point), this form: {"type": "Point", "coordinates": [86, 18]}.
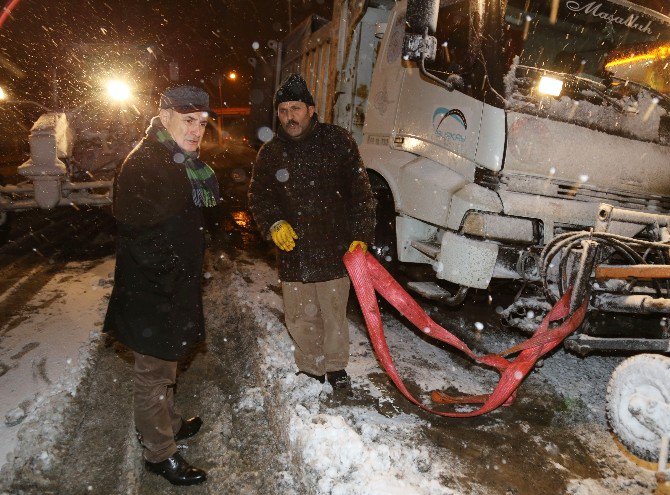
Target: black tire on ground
{"type": "Point", "coordinates": [385, 246]}
{"type": "Point", "coordinates": [645, 377]}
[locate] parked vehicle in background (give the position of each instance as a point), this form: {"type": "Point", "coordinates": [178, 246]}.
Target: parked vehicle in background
{"type": "Point", "coordinates": [102, 99]}
{"type": "Point", "coordinates": [232, 161]}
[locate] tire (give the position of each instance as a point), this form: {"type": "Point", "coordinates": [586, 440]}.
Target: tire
{"type": "Point", "coordinates": [384, 247]}
{"type": "Point", "coordinates": [645, 376]}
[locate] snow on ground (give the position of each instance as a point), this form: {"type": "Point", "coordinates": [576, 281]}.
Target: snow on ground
{"type": "Point", "coordinates": [361, 445]}
{"type": "Point", "coordinates": [352, 450]}
{"type": "Point", "coordinates": [347, 450]}
{"type": "Point", "coordinates": [44, 351]}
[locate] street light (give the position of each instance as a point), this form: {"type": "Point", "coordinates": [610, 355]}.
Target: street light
{"type": "Point", "coordinates": [231, 76]}
{"type": "Point", "coordinates": [3, 95]}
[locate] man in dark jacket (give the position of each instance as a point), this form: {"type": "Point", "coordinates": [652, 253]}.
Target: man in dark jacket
{"type": "Point", "coordinates": [310, 192]}
{"type": "Point", "coordinates": [156, 305]}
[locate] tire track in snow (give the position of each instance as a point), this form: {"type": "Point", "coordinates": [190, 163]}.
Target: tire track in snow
{"type": "Point", "coordinates": [14, 305]}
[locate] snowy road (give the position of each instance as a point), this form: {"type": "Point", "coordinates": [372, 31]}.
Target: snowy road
{"type": "Point", "coordinates": [270, 431]}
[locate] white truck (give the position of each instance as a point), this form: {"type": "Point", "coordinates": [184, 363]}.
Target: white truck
{"type": "Point", "coordinates": [517, 139]}
{"type": "Point", "coordinates": [490, 127]}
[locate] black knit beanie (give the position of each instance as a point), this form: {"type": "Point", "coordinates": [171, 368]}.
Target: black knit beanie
{"type": "Point", "coordinates": [294, 88]}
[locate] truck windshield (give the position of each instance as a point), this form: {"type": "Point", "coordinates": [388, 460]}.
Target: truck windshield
{"type": "Point", "coordinates": [599, 40]}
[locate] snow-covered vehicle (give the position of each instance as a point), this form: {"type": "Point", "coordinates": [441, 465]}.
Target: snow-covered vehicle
{"type": "Point", "coordinates": [101, 95]}
{"type": "Point", "coordinates": [498, 134]}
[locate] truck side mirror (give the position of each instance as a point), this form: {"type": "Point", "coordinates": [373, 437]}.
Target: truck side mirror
{"type": "Point", "coordinates": [421, 18]}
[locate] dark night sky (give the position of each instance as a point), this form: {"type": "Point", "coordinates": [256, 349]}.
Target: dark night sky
{"type": "Point", "coordinates": [206, 37]}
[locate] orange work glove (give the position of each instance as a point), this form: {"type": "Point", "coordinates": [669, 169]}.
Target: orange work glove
{"type": "Point", "coordinates": [283, 235]}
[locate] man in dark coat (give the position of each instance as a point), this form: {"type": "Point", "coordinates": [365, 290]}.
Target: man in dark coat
{"type": "Point", "coordinates": [310, 192]}
{"type": "Point", "coordinates": [156, 305]}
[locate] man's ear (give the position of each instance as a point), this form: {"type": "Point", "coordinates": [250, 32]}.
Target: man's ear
{"type": "Point", "coordinates": [310, 108]}
{"type": "Point", "coordinates": [164, 115]}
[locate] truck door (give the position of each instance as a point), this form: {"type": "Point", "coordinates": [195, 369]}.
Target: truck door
{"type": "Point", "coordinates": [437, 123]}
{"type": "Point", "coordinates": [442, 120]}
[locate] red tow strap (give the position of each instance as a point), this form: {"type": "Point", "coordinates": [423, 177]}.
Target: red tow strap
{"type": "Point", "coordinates": [368, 276]}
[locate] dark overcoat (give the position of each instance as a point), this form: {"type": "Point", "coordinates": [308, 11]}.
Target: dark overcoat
{"type": "Point", "coordinates": [319, 185]}
{"type": "Point", "coordinates": [156, 303]}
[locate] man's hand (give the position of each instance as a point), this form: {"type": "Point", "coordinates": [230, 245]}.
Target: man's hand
{"type": "Point", "coordinates": [283, 235]}
{"type": "Point", "coordinates": [356, 244]}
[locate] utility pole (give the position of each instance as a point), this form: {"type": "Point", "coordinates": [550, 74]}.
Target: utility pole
{"type": "Point", "coordinates": [219, 119]}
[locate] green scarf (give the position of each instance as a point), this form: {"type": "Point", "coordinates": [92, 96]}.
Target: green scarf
{"type": "Point", "coordinates": [202, 177]}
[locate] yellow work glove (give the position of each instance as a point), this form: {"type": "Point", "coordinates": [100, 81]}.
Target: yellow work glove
{"type": "Point", "coordinates": [355, 244]}
{"type": "Point", "coordinates": [283, 235]}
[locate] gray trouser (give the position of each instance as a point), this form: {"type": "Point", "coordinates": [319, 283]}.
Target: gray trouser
{"type": "Point", "coordinates": [155, 417]}
{"type": "Point", "coordinates": [316, 318]}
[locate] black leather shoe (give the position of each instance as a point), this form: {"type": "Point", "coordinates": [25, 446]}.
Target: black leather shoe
{"type": "Point", "coordinates": [319, 378]}
{"type": "Point", "coordinates": [177, 471]}
{"type": "Point", "coordinates": [188, 428]}
{"type": "Point", "coordinates": [339, 379]}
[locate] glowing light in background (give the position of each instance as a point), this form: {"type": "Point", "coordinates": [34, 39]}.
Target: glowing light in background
{"type": "Point", "coordinates": [3, 95]}
{"type": "Point", "coordinates": [241, 218]}
{"type": "Point", "coordinates": [660, 53]}
{"type": "Point", "coordinates": [553, 16]}
{"type": "Point", "coordinates": [232, 75]}
{"type": "Point", "coordinates": [118, 90]}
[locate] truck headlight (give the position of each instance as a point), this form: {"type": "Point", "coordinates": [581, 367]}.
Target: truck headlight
{"type": "Point", "coordinates": [501, 228]}
{"type": "Point", "coordinates": [550, 86]}
{"type": "Point", "coordinates": [118, 90]}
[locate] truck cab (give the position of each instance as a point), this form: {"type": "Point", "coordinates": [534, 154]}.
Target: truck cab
{"type": "Point", "coordinates": [530, 115]}
{"type": "Point", "coordinates": [521, 118]}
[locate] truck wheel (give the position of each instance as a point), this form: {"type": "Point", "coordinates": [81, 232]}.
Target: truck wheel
{"type": "Point", "coordinates": [638, 403]}
{"type": "Point", "coordinates": [384, 248]}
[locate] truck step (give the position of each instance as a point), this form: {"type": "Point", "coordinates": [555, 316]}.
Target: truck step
{"type": "Point", "coordinates": [432, 291]}
{"type": "Point", "coordinates": [586, 344]}
{"type": "Point", "coordinates": [430, 249]}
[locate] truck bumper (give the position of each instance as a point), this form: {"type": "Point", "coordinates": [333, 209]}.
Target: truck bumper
{"type": "Point", "coordinates": [466, 261]}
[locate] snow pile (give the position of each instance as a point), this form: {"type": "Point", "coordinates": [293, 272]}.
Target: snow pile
{"type": "Point", "coordinates": [362, 454]}
{"type": "Point", "coordinates": [45, 366]}
{"type": "Point", "coordinates": [320, 441]}
{"type": "Point", "coordinates": [251, 401]}
{"type": "Point", "coordinates": [335, 449]}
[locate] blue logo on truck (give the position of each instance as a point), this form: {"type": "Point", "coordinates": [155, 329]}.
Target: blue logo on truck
{"type": "Point", "coordinates": [443, 123]}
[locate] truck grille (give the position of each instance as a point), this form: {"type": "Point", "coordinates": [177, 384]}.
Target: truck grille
{"type": "Point", "coordinates": [556, 188]}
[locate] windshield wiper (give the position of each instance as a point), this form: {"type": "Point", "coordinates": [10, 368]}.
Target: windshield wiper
{"type": "Point", "coordinates": [644, 86]}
